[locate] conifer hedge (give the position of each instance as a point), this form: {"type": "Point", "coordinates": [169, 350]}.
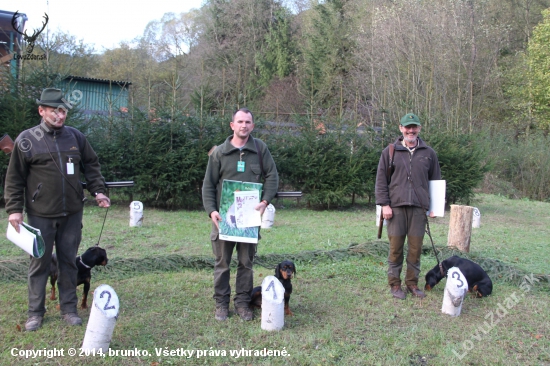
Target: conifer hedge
{"type": "Point", "coordinates": [331, 162]}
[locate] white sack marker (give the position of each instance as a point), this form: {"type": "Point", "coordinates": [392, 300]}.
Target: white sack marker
{"type": "Point", "coordinates": [268, 217]}
{"type": "Point", "coordinates": [102, 319]}
{"type": "Point", "coordinates": [136, 213]}
{"type": "Point", "coordinates": [273, 304]}
{"type": "Point", "coordinates": [455, 290]}
{"type": "Point", "coordinates": [476, 218]}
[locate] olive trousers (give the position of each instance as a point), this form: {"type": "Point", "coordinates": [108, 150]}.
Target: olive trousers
{"type": "Point", "coordinates": [407, 222]}
{"type": "Point", "coordinates": [223, 250]}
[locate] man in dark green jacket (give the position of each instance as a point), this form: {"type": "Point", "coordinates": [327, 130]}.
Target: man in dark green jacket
{"type": "Point", "coordinates": [43, 177]}
{"type": "Point", "coordinates": [236, 159]}
{"type": "Point", "coordinates": [405, 200]}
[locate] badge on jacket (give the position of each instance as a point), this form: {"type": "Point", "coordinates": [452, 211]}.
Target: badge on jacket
{"type": "Point", "coordinates": [70, 167]}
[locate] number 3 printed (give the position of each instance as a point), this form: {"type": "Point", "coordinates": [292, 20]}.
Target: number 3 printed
{"type": "Point", "coordinates": [458, 279]}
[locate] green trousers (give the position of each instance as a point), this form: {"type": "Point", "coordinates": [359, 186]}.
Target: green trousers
{"type": "Point", "coordinates": [407, 222]}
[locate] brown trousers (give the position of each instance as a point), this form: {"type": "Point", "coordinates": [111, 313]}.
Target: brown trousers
{"type": "Point", "coordinates": [410, 222]}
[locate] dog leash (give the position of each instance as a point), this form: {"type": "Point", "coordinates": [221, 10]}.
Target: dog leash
{"type": "Point", "coordinates": [102, 226]}
{"type": "Point", "coordinates": [433, 246]}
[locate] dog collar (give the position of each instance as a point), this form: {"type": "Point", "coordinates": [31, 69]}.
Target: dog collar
{"type": "Point", "coordinates": [84, 264]}
{"type": "Point", "coordinates": [441, 270]}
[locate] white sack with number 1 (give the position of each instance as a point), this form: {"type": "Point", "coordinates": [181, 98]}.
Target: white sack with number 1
{"type": "Point", "coordinates": [273, 304]}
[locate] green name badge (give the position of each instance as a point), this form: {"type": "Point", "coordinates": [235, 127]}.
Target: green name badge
{"type": "Point", "coordinates": [240, 166]}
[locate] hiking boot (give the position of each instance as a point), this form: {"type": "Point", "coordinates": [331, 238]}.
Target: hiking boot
{"type": "Point", "coordinates": [397, 292]}
{"type": "Point", "coordinates": [72, 319]}
{"type": "Point", "coordinates": [221, 313]}
{"type": "Point", "coordinates": [33, 323]}
{"type": "Point", "coordinates": [413, 289]}
{"type": "Point", "coordinates": [245, 313]}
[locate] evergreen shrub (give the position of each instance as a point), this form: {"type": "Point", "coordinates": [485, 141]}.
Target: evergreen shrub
{"type": "Point", "coordinates": [463, 163]}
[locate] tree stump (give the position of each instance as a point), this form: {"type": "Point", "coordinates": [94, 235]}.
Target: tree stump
{"type": "Point", "coordinates": [460, 227]}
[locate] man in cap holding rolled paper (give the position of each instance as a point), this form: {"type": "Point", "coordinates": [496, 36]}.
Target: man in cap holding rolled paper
{"type": "Point", "coordinates": [405, 198]}
{"type": "Point", "coordinates": [43, 177]}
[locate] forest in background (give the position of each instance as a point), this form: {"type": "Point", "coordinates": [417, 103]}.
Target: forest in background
{"type": "Point", "coordinates": [476, 72]}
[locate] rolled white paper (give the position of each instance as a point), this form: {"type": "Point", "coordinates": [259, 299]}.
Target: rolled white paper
{"type": "Point", "coordinates": [378, 213]}
{"type": "Point", "coordinates": [437, 197]}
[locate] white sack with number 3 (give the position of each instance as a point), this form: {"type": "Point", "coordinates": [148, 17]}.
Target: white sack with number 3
{"type": "Point", "coordinates": [455, 290]}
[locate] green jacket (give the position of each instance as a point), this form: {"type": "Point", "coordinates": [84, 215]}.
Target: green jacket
{"type": "Point", "coordinates": [419, 169]}
{"type": "Point", "coordinates": [222, 164]}
{"type": "Point", "coordinates": [34, 180]}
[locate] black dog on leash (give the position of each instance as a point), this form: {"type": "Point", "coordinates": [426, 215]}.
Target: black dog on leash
{"type": "Point", "coordinates": [94, 256]}
{"type": "Point", "coordinates": [284, 273]}
{"type": "Point", "coordinates": [478, 280]}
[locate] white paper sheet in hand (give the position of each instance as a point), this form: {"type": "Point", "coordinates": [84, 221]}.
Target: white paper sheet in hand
{"type": "Point", "coordinates": [26, 239]}
{"type": "Point", "coordinates": [437, 197]}
{"type": "Point", "coordinates": [245, 213]}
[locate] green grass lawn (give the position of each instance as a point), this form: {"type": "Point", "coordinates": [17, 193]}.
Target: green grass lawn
{"type": "Point", "coordinates": [343, 312]}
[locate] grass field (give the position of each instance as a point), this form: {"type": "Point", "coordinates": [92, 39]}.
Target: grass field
{"type": "Point", "coordinates": [343, 312]}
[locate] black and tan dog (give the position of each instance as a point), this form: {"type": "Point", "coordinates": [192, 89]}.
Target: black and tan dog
{"type": "Point", "coordinates": [284, 273]}
{"type": "Point", "coordinates": [478, 280]}
{"type": "Point", "coordinates": [94, 256]}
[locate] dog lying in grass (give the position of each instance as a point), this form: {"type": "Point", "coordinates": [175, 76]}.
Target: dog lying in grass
{"type": "Point", "coordinates": [284, 273]}
{"type": "Point", "coordinates": [94, 256]}
{"type": "Point", "coordinates": [478, 280]}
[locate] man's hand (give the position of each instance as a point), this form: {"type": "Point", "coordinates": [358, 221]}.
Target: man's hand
{"type": "Point", "coordinates": [15, 220]}
{"type": "Point", "coordinates": [102, 200]}
{"type": "Point", "coordinates": [387, 212]}
{"type": "Point", "coordinates": [216, 218]}
{"type": "Point", "coordinates": [261, 207]}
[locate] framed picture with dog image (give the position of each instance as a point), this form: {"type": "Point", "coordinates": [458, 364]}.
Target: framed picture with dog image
{"type": "Point", "coordinates": [229, 228]}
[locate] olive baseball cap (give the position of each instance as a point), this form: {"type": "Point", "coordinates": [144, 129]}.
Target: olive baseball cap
{"type": "Point", "coordinates": [410, 119]}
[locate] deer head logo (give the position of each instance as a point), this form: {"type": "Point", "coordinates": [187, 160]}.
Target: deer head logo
{"type": "Point", "coordinates": [29, 39]}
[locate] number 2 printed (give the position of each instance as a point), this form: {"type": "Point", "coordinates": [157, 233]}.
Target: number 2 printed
{"type": "Point", "coordinates": [107, 307]}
